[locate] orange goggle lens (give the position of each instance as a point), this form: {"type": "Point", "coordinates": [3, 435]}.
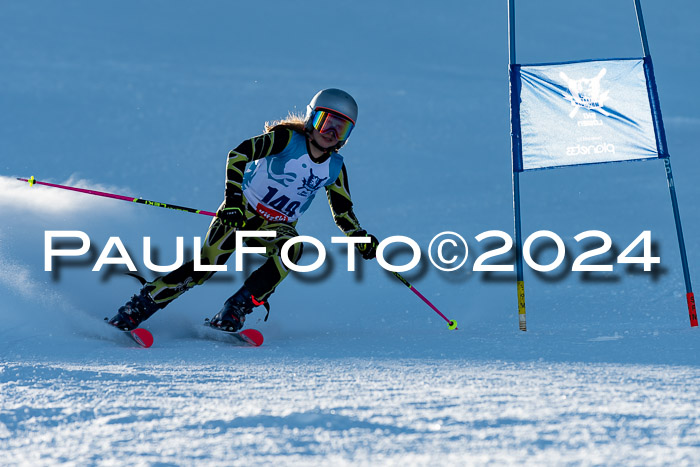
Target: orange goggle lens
{"type": "Point", "coordinates": [325, 121]}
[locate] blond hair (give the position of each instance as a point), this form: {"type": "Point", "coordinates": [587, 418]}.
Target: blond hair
{"type": "Point", "coordinates": [293, 121]}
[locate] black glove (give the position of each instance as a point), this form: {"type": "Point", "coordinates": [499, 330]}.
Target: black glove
{"type": "Point", "coordinates": [232, 217]}
{"type": "Point", "coordinates": [367, 250]}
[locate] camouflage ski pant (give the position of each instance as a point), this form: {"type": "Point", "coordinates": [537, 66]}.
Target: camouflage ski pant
{"type": "Point", "coordinates": [218, 246]}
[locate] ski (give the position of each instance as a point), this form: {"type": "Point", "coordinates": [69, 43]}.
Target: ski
{"type": "Point", "coordinates": [246, 337]}
{"type": "Point", "coordinates": [142, 337]}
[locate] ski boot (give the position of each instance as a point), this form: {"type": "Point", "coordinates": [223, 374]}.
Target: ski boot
{"type": "Point", "coordinates": [232, 316]}
{"type": "Point", "coordinates": [136, 310]}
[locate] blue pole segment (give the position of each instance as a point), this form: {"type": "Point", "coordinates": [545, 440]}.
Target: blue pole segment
{"type": "Point", "coordinates": [663, 153]}
{"type": "Point", "coordinates": [642, 28]}
{"type": "Point", "coordinates": [518, 230]}
{"type": "Point", "coordinates": [511, 31]}
{"type": "Point", "coordinates": [655, 105]}
{"type": "Point", "coordinates": [515, 133]}
{"type": "Point", "coordinates": [516, 150]}
{"type": "Point", "coordinates": [679, 229]}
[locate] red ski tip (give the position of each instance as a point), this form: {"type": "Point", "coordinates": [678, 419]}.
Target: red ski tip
{"type": "Point", "coordinates": [252, 336]}
{"type": "Point", "coordinates": [142, 337]}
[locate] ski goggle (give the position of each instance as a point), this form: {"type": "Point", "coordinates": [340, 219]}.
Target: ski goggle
{"type": "Point", "coordinates": [325, 121]}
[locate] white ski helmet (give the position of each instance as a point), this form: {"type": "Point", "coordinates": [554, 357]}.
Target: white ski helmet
{"type": "Point", "coordinates": [335, 100]}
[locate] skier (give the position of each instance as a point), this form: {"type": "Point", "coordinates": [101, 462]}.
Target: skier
{"type": "Point", "coordinates": [271, 180]}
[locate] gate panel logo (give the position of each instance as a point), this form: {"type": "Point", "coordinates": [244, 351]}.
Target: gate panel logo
{"type": "Point", "coordinates": [586, 93]}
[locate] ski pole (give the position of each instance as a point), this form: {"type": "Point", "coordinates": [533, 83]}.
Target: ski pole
{"type": "Point", "coordinates": [33, 182]}
{"type": "Point", "coordinates": [451, 324]}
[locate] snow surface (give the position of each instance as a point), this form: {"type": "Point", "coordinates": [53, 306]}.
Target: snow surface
{"type": "Point", "coordinates": [147, 98]}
